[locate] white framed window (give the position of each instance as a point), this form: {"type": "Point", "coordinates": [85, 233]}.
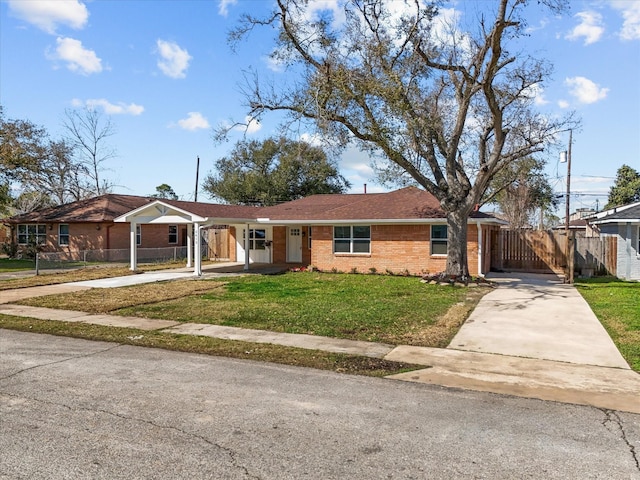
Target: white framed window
{"type": "Point", "coordinates": [28, 233]}
{"type": "Point", "coordinates": [63, 234]}
{"type": "Point", "coordinates": [439, 243]}
{"type": "Point", "coordinates": [257, 238]}
{"type": "Point", "coordinates": [138, 234]}
{"type": "Point", "coordinates": [173, 234]}
{"type": "Point", "coordinates": [352, 239]}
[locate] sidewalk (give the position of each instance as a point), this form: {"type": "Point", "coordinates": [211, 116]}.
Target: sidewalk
{"type": "Point", "coordinates": [532, 337]}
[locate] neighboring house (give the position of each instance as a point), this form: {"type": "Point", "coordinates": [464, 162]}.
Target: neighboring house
{"type": "Point", "coordinates": [89, 225]}
{"type": "Point", "coordinates": [624, 224]}
{"type": "Point", "coordinates": [400, 231]}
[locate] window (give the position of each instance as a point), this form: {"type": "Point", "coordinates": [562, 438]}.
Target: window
{"type": "Point", "coordinates": [438, 239]}
{"type": "Point", "coordinates": [138, 234]}
{"type": "Point", "coordinates": [63, 234]}
{"type": "Point", "coordinates": [32, 234]}
{"type": "Point", "coordinates": [309, 237]}
{"type": "Point", "coordinates": [173, 234]}
{"type": "Point", "coordinates": [257, 238]}
{"type": "Point", "coordinates": [352, 239]}
{"type": "Point", "coordinates": [638, 250]}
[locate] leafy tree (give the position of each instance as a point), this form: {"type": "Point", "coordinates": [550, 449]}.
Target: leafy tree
{"type": "Point", "coordinates": [42, 171]}
{"type": "Point", "coordinates": [626, 188]}
{"type": "Point", "coordinates": [21, 146]}
{"type": "Point", "coordinates": [272, 171]}
{"type": "Point", "coordinates": [447, 108]}
{"type": "Point", "coordinates": [165, 191]}
{"type": "Point", "coordinates": [88, 132]}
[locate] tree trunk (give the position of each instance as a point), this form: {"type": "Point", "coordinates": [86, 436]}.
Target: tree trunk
{"type": "Point", "coordinates": [457, 260]}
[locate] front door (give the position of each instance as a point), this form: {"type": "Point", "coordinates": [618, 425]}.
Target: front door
{"type": "Point", "coordinates": [294, 244]}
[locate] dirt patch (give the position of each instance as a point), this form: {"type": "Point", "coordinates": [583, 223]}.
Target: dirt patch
{"type": "Point", "coordinates": [440, 334]}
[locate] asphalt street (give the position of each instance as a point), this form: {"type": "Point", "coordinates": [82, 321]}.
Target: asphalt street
{"type": "Point", "coordinates": [77, 409]}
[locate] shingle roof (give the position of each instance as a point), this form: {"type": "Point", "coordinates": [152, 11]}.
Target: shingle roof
{"type": "Point", "coordinates": [103, 208]}
{"type": "Point", "coordinates": [404, 204]}
{"type": "Point", "coordinates": [631, 212]}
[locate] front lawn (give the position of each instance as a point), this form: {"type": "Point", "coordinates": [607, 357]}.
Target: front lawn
{"type": "Point", "coordinates": [15, 265]}
{"type": "Point", "coordinates": [617, 306]}
{"type": "Point", "coordinates": [379, 308]}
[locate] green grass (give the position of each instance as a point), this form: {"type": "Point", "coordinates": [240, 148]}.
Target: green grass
{"type": "Point", "coordinates": [617, 306]}
{"type": "Point", "coordinates": [14, 265]}
{"type": "Point", "coordinates": [377, 308]}
{"type": "Point", "coordinates": [210, 346]}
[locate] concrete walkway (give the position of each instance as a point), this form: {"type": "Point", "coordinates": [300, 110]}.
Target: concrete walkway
{"type": "Point", "coordinates": [532, 336]}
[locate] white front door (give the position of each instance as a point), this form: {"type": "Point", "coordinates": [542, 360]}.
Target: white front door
{"type": "Point", "coordinates": [294, 244]}
{"type": "Point", "coordinates": [259, 245]}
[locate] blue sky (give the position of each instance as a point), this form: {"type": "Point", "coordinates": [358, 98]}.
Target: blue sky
{"type": "Point", "coordinates": [163, 72]}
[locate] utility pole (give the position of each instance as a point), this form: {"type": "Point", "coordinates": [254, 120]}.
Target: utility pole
{"type": "Point", "coordinates": [195, 197]}
{"type": "Point", "coordinates": [570, 247]}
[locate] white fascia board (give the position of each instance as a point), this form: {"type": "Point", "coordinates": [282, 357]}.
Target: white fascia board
{"type": "Point", "coordinates": [227, 221]}
{"type": "Point", "coordinates": [616, 220]}
{"type": "Point", "coordinates": [369, 221]}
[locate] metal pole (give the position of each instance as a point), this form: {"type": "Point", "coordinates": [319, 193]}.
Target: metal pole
{"type": "Point", "coordinates": [570, 244]}
{"type": "Point", "coordinates": [195, 198]}
{"type": "Point", "coordinates": [566, 220]}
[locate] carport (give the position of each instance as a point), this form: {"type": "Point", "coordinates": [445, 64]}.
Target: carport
{"type": "Point", "coordinates": [164, 212]}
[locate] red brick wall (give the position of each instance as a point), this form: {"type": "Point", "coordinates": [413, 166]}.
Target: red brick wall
{"type": "Point", "coordinates": [395, 248]}
{"type": "Point", "coordinates": [99, 236]}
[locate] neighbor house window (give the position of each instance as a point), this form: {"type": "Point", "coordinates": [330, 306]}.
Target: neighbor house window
{"type": "Point", "coordinates": [63, 234]}
{"type": "Point", "coordinates": [257, 238]}
{"type": "Point", "coordinates": [309, 237]}
{"type": "Point", "coordinates": [352, 239]}
{"type": "Point", "coordinates": [138, 234]}
{"type": "Point", "coordinates": [173, 234]}
{"type": "Point", "coordinates": [32, 233]}
{"type": "Point", "coordinates": [438, 239]}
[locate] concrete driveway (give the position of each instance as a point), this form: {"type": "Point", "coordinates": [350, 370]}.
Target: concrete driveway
{"type": "Point", "coordinates": [538, 316]}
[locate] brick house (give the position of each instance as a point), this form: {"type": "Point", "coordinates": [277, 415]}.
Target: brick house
{"type": "Point", "coordinates": [400, 231]}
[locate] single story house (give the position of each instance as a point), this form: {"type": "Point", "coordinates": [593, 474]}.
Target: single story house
{"type": "Point", "coordinates": [400, 231]}
{"type": "Point", "coordinates": [624, 224]}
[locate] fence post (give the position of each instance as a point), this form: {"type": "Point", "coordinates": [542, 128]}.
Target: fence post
{"type": "Point", "coordinates": [37, 263]}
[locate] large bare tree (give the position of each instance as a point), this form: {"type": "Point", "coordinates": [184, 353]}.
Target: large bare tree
{"type": "Point", "coordinates": [445, 106]}
{"type": "Point", "coordinates": [88, 131]}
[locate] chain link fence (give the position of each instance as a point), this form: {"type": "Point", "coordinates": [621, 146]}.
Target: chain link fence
{"type": "Point", "coordinates": [83, 258]}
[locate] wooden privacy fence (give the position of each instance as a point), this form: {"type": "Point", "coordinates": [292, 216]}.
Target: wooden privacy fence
{"type": "Point", "coordinates": [218, 243]}
{"type": "Point", "coordinates": [543, 251]}
{"type": "Point", "coordinates": [528, 251]}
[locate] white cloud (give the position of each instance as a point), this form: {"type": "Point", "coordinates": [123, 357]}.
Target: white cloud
{"type": "Point", "coordinates": [47, 15]}
{"type": "Point", "coordinates": [195, 121]}
{"type": "Point", "coordinates": [77, 58]}
{"type": "Point", "coordinates": [223, 6]}
{"type": "Point", "coordinates": [250, 126]}
{"type": "Point", "coordinates": [173, 61]}
{"type": "Point", "coordinates": [563, 104]}
{"type": "Point", "coordinates": [536, 92]}
{"type": "Point", "coordinates": [631, 14]}
{"type": "Point", "coordinates": [109, 108]}
{"type": "Point", "coordinates": [585, 90]}
{"type": "Point", "coordinates": [590, 27]}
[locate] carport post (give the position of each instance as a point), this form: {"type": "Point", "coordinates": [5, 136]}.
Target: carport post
{"type": "Point", "coordinates": [247, 243]}
{"type": "Point", "coordinates": [197, 260]}
{"type": "Point", "coordinates": [133, 252]}
{"type": "Point", "coordinates": [189, 240]}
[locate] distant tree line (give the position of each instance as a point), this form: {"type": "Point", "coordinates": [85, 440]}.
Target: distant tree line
{"type": "Point", "coordinates": [37, 170]}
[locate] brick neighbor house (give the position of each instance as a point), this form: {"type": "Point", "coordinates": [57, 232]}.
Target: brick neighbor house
{"type": "Point", "coordinates": [400, 231]}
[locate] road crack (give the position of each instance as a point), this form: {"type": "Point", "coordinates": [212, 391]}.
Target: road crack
{"type": "Point", "coordinates": [228, 451]}
{"type": "Point", "coordinates": [613, 419]}
{"type": "Point", "coordinates": [63, 360]}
